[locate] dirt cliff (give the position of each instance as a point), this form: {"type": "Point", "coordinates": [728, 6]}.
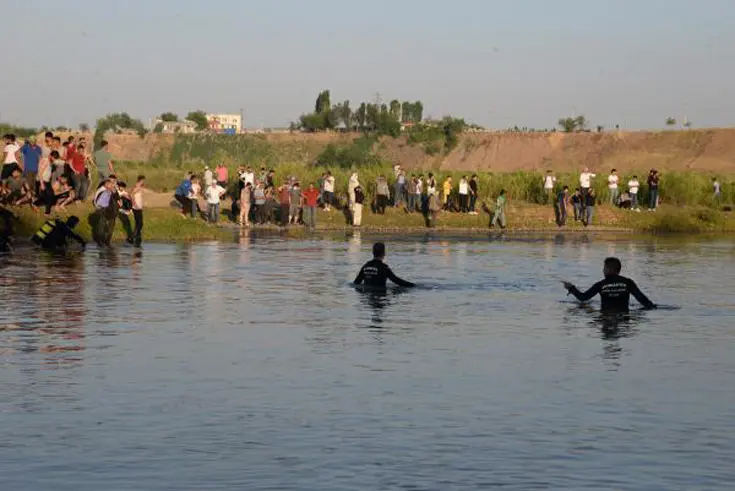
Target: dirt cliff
{"type": "Point", "coordinates": [703, 150]}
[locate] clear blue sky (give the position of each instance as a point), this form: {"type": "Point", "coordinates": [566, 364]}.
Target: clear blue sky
{"type": "Point", "coordinates": [496, 63]}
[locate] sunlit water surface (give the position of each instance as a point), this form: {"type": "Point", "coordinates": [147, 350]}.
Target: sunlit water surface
{"type": "Point", "coordinates": [256, 366]}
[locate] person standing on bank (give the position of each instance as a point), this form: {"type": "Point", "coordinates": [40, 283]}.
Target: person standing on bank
{"type": "Point", "coordinates": [464, 195]}
{"type": "Point", "coordinates": [473, 194]}
{"type": "Point", "coordinates": [376, 273]}
{"type": "Point", "coordinates": [560, 206]}
{"type": "Point", "coordinates": [589, 200]}
{"type": "Point", "coordinates": [499, 216]}
{"type": "Point", "coordinates": [612, 186]}
{"type": "Point", "coordinates": [653, 179]}
{"type": "Point", "coordinates": [137, 196]}
{"type": "Point", "coordinates": [311, 198]}
{"type": "Point", "coordinates": [103, 159]}
{"type": "Point", "coordinates": [357, 206]}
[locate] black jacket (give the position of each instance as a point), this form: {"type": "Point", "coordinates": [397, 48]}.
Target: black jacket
{"type": "Point", "coordinates": [376, 273]}
{"type": "Point", "coordinates": [615, 292]}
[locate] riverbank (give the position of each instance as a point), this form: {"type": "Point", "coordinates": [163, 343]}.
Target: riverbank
{"type": "Point", "coordinates": [165, 224]}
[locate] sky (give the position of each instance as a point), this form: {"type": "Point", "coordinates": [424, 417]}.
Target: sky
{"type": "Point", "coordinates": [494, 63]}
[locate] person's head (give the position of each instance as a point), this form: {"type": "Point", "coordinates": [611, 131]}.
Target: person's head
{"type": "Point", "coordinates": [635, 177]}
{"type": "Point", "coordinates": [113, 178]}
{"type": "Point", "coordinates": [72, 221]}
{"type": "Point", "coordinates": [311, 185]}
{"type": "Point", "coordinates": [431, 175]}
{"type": "Point", "coordinates": [122, 185]}
{"type": "Point", "coordinates": [566, 189]}
{"type": "Point", "coordinates": [502, 192]}
{"type": "Point", "coordinates": [109, 184]}
{"type": "Point", "coordinates": [379, 250]}
{"type": "Point", "coordinates": [49, 137]}
{"type": "Point", "coordinates": [474, 176]}
{"type": "Point", "coordinates": [548, 171]}
{"type": "Point", "coordinates": [464, 178]}
{"type": "Point", "coordinates": [296, 184]}
{"type": "Point", "coordinates": [57, 141]}
{"type": "Point", "coordinates": [614, 171]}
{"type": "Point", "coordinates": [591, 192]}
{"type": "Point", "coordinates": [612, 266]}
{"type": "Point", "coordinates": [16, 173]}
{"type": "Point", "coordinates": [140, 181]}
{"type": "Point", "coordinates": [32, 139]}
{"type": "Point", "coordinates": [103, 145]}
{"type": "Point", "coordinates": [9, 138]}
{"type": "Point", "coordinates": [586, 169]}
{"type": "Point", "coordinates": [54, 155]}
{"type": "Point", "coordinates": [358, 188]}
{"type": "Point", "coordinates": [262, 169]}
{"type": "Point", "coordinates": [70, 139]}
{"type": "Point", "coordinates": [194, 178]}
{"type": "Point", "coordinates": [63, 180]}
{"type": "Point", "coordinates": [714, 179]}
{"type": "Point", "coordinates": [206, 167]}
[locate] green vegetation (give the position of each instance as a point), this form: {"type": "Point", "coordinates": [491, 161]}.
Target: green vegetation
{"type": "Point", "coordinates": [117, 122]}
{"type": "Point", "coordinates": [670, 121]}
{"type": "Point", "coordinates": [570, 125]}
{"type": "Point", "coordinates": [169, 117]}
{"type": "Point", "coordinates": [199, 118]}
{"type": "Point", "coordinates": [380, 119]}
{"type": "Point", "coordinates": [18, 131]}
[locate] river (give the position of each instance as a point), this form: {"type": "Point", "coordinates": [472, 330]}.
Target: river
{"type": "Point", "coordinates": [256, 366]}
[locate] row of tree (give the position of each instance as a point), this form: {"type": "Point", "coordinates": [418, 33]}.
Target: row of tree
{"type": "Point", "coordinates": [368, 117]}
{"type": "Point", "coordinates": [198, 117]}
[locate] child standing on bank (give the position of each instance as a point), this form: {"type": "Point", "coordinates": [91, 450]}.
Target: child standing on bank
{"type": "Point", "coordinates": [137, 196]}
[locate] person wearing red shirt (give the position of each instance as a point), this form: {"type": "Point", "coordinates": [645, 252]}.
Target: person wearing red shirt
{"type": "Point", "coordinates": [79, 179]}
{"type": "Point", "coordinates": [310, 196]}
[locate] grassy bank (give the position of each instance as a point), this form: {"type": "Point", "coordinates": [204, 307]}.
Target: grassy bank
{"type": "Point", "coordinates": [165, 224]}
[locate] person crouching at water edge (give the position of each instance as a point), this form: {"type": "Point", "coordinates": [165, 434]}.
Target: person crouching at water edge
{"type": "Point", "coordinates": [53, 235]}
{"type": "Point", "coordinates": [614, 290]}
{"type": "Point", "coordinates": [376, 273]}
{"type": "Point", "coordinates": [106, 207]}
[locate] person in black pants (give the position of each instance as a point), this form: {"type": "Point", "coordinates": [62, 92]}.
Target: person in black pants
{"type": "Point", "coordinates": [137, 197]}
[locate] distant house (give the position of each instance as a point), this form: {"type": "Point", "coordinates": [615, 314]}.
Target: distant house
{"type": "Point", "coordinates": [225, 123]}
{"type": "Point", "coordinates": [185, 127]}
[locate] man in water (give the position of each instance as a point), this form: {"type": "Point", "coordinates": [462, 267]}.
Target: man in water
{"type": "Point", "coordinates": [375, 273]}
{"type": "Point", "coordinates": [614, 290]}
{"type": "Point", "coordinates": [53, 234]}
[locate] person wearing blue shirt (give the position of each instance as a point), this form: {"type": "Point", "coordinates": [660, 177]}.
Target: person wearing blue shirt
{"type": "Point", "coordinates": [31, 157]}
{"type": "Point", "coordinates": [182, 193]}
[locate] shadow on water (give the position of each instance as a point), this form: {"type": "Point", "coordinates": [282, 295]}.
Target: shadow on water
{"type": "Point", "coordinates": [611, 328]}
{"type": "Point", "coordinates": [377, 301]}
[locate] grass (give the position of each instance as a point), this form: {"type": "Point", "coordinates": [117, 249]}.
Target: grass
{"type": "Point", "coordinates": [166, 225]}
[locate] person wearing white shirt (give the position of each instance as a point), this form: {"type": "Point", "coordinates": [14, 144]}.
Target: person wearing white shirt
{"type": "Point", "coordinates": [328, 191]}
{"type": "Point", "coordinates": [214, 193]}
{"type": "Point", "coordinates": [585, 180]}
{"type": "Point", "coordinates": [612, 186]}
{"type": "Point", "coordinates": [208, 177]}
{"type": "Point", "coordinates": [353, 183]}
{"type": "Point", "coordinates": [11, 156]}
{"type": "Point", "coordinates": [248, 177]}
{"type": "Point", "coordinates": [549, 183]}
{"type": "Point", "coordinates": [464, 194]}
{"type": "Point", "coordinates": [633, 187]}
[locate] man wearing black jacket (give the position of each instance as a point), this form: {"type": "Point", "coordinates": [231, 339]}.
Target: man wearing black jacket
{"type": "Point", "coordinates": [376, 273]}
{"type": "Point", "coordinates": [614, 290]}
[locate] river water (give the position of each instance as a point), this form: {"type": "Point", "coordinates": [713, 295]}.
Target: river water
{"type": "Point", "coordinates": [256, 366]}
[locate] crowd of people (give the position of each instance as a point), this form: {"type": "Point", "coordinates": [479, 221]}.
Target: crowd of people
{"type": "Point", "coordinates": [257, 199]}
{"type": "Point", "coordinates": [53, 175]}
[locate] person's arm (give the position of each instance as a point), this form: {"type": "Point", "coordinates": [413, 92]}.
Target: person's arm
{"type": "Point", "coordinates": [360, 278]}
{"type": "Point", "coordinates": [111, 167]}
{"type": "Point", "coordinates": [638, 294]}
{"type": "Point", "coordinates": [583, 297]}
{"type": "Point", "coordinates": [395, 279]}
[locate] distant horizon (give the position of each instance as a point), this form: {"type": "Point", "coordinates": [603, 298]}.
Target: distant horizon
{"type": "Point", "coordinates": [496, 64]}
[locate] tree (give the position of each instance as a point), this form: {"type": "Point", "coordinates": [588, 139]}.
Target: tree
{"type": "Point", "coordinates": [418, 112]}
{"type": "Point", "coordinates": [158, 128]}
{"type": "Point", "coordinates": [347, 116]}
{"type": "Point", "coordinates": [323, 102]}
{"type": "Point", "coordinates": [83, 127]}
{"type": "Point", "coordinates": [570, 125]}
{"type": "Point", "coordinates": [406, 112]}
{"type": "Point", "coordinates": [361, 116]}
{"type": "Point", "coordinates": [395, 110]}
{"type": "Point", "coordinates": [117, 122]}
{"type": "Point", "coordinates": [687, 124]}
{"type": "Point", "coordinates": [169, 117]}
{"type": "Point", "coordinates": [373, 117]}
{"type": "Point", "coordinates": [199, 118]}
{"type": "Point", "coordinates": [312, 122]}
{"type": "Point", "coordinates": [670, 121]}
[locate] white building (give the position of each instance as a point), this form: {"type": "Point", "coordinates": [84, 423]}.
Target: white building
{"type": "Point", "coordinates": [225, 123]}
{"type": "Point", "coordinates": [186, 126]}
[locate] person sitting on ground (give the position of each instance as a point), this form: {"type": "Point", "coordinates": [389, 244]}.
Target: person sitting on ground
{"type": "Point", "coordinates": [53, 235]}
{"type": "Point", "coordinates": [614, 290]}
{"type": "Point", "coordinates": [15, 189]}
{"type": "Point", "coordinates": [376, 273]}
{"type": "Point", "coordinates": [63, 194]}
